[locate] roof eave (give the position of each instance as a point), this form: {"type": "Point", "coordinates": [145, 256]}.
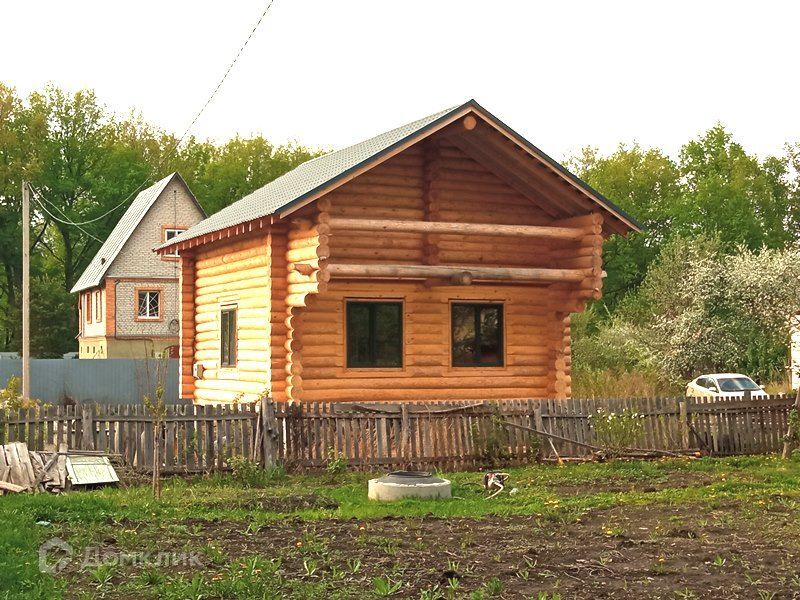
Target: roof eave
{"type": "Point", "coordinates": [604, 202]}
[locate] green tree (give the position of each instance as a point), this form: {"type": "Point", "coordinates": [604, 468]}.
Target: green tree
{"type": "Point", "coordinates": [733, 195]}
{"type": "Point", "coordinates": [221, 175]}
{"type": "Point", "coordinates": [646, 184]}
{"type": "Point", "coordinates": [86, 165]}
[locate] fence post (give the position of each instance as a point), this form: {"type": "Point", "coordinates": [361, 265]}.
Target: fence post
{"type": "Point", "coordinates": [268, 432]}
{"type": "Point", "coordinates": [538, 423]}
{"type": "Point", "coordinates": [405, 432]}
{"type": "Point", "coordinates": [87, 427]}
{"type": "Point", "coordinates": [684, 423]}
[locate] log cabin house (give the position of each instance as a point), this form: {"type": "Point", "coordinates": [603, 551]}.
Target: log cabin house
{"type": "Point", "coordinates": [439, 260]}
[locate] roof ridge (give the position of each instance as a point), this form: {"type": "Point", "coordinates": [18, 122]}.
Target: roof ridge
{"type": "Point", "coordinates": [120, 233]}
{"type": "Point", "coordinates": [312, 177]}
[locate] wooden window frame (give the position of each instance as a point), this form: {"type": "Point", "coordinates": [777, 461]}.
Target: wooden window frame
{"type": "Point", "coordinates": [376, 369]}
{"type": "Point", "coordinates": [98, 306]}
{"type": "Point", "coordinates": [137, 316]}
{"type": "Point", "coordinates": [164, 230]}
{"type": "Point", "coordinates": [501, 330]}
{"type": "Point", "coordinates": [88, 300]}
{"type": "Point", "coordinates": [229, 308]}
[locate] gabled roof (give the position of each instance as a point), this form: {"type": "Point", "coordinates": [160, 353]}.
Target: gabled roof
{"type": "Point", "coordinates": [319, 175]}
{"type": "Point", "coordinates": [111, 248]}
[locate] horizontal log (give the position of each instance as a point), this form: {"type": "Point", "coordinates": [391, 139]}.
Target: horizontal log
{"type": "Point", "coordinates": [231, 253]}
{"type": "Point", "coordinates": [306, 254]}
{"type": "Point", "coordinates": [388, 212]}
{"type": "Point", "coordinates": [308, 229]}
{"type": "Point", "coordinates": [312, 287]}
{"type": "Point", "coordinates": [539, 231]}
{"type": "Point", "coordinates": [355, 271]}
{"type": "Point", "coordinates": [395, 394]}
{"type": "Point", "coordinates": [582, 221]}
{"type": "Point", "coordinates": [236, 274]}
{"type": "Point", "coordinates": [262, 259]}
{"type": "Point", "coordinates": [307, 242]}
{"type": "Point", "coordinates": [344, 254]}
{"type": "Point", "coordinates": [413, 383]}
{"type": "Point", "coordinates": [300, 300]}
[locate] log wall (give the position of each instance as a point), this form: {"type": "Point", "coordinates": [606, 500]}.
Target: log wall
{"type": "Point", "coordinates": [438, 182]}
{"type": "Point", "coordinates": [237, 274]}
{"type": "Point", "coordinates": [534, 335]}
{"type": "Point", "coordinates": [291, 296]}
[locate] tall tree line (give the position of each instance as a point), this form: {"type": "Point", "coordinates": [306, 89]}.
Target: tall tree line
{"type": "Point", "coordinates": [83, 160]}
{"type": "Point", "coordinates": [679, 298]}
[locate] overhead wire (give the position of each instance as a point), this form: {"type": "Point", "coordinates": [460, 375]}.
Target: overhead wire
{"type": "Point", "coordinates": [41, 200]}
{"type": "Point", "coordinates": [169, 154]}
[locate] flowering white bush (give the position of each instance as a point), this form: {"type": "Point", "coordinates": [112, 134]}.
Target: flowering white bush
{"type": "Point", "coordinates": [616, 431]}
{"type": "Point", "coordinates": [701, 309]}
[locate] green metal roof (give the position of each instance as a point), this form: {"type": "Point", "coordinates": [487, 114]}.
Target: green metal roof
{"type": "Point", "coordinates": [316, 174]}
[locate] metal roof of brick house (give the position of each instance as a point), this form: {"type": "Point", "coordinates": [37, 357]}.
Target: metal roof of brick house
{"type": "Point", "coordinates": [319, 173]}
{"type": "Point", "coordinates": [99, 265]}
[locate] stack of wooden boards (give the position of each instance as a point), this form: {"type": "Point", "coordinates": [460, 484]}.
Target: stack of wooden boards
{"type": "Point", "coordinates": [21, 470]}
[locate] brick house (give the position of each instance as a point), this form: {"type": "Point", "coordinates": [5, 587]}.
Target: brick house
{"type": "Point", "coordinates": [128, 296]}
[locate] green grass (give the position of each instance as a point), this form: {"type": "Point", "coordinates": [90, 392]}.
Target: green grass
{"type": "Point", "coordinates": [137, 521]}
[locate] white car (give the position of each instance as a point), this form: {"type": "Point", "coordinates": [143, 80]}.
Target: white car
{"type": "Point", "coordinates": [724, 385]}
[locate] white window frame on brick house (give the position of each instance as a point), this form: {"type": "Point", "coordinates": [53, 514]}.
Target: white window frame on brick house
{"type": "Point", "coordinates": [169, 233]}
{"type": "Point", "coordinates": [149, 292]}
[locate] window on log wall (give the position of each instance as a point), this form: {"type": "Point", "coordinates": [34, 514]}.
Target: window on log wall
{"type": "Point", "coordinates": [228, 337]}
{"type": "Point", "coordinates": [374, 335]}
{"type": "Point", "coordinates": [477, 331]}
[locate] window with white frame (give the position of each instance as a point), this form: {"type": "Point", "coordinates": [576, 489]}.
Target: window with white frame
{"type": "Point", "coordinates": [170, 233]}
{"type": "Point", "coordinates": [149, 302]}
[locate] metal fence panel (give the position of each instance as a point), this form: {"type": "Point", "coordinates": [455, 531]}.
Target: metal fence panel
{"type": "Point", "coordinates": [108, 381]}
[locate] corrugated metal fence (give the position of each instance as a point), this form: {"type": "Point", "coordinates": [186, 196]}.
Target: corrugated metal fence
{"type": "Point", "coordinates": [109, 381]}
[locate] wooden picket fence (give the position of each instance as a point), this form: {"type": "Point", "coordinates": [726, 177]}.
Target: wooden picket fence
{"type": "Point", "coordinates": [193, 439]}
{"type": "Point", "coordinates": [463, 435]}
{"type": "Point", "coordinates": [379, 436]}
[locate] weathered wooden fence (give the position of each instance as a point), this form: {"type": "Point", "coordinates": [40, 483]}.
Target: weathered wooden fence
{"type": "Point", "coordinates": [192, 439]}
{"type": "Point", "coordinates": [473, 434]}
{"type": "Point", "coordinates": [450, 435]}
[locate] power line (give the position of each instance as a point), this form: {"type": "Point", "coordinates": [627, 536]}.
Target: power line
{"type": "Point", "coordinates": [40, 199]}
{"type": "Point", "coordinates": [185, 132]}
{"type": "Point", "coordinates": [227, 72]}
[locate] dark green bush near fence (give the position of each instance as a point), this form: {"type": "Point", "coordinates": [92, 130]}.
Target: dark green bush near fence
{"type": "Point", "coordinates": [493, 441]}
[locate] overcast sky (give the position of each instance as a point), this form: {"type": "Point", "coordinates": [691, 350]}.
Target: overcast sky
{"type": "Point", "coordinates": [330, 73]}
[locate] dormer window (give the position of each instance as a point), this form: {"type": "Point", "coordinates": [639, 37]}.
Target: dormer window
{"type": "Point", "coordinates": [169, 233]}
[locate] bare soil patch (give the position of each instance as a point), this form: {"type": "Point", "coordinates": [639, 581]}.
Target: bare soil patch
{"type": "Point", "coordinates": [654, 551]}
{"type": "Point", "coordinates": [671, 480]}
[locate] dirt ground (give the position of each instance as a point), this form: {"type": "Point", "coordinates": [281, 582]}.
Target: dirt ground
{"type": "Point", "coordinates": [653, 551]}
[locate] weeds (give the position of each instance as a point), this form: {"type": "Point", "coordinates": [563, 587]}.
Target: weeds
{"type": "Point", "coordinates": [336, 464]}
{"type": "Point", "coordinates": [383, 586]}
{"type": "Point", "coordinates": [250, 474]}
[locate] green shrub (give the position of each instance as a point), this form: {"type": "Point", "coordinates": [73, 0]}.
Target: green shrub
{"type": "Point", "coordinates": [11, 397]}
{"type": "Point", "coordinates": [250, 474]}
{"type": "Point", "coordinates": [336, 464]}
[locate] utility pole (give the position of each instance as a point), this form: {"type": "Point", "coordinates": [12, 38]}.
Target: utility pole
{"type": "Point", "coordinates": [26, 291]}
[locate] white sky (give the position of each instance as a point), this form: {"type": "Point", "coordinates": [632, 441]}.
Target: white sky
{"type": "Point", "coordinates": [329, 73]}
